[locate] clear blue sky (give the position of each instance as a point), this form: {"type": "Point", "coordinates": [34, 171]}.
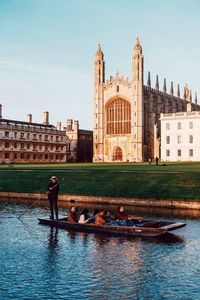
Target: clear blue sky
{"type": "Point", "coordinates": [47, 49]}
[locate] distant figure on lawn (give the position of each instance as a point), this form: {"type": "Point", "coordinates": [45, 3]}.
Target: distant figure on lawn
{"type": "Point", "coordinates": [157, 160]}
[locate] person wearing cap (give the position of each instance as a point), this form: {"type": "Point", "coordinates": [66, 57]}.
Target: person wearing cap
{"type": "Point", "coordinates": [52, 190]}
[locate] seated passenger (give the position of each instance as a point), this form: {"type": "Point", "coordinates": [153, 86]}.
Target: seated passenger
{"type": "Point", "coordinates": [72, 215]}
{"type": "Point", "coordinates": [108, 217]}
{"type": "Point", "coordinates": [100, 219]}
{"type": "Point", "coordinates": [93, 216]}
{"type": "Point", "coordinates": [78, 211]}
{"type": "Point", "coordinates": [121, 214]}
{"type": "Point", "coordinates": [83, 216]}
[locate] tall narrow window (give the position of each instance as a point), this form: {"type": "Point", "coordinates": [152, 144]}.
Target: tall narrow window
{"type": "Point", "coordinates": [190, 152]}
{"type": "Point", "coordinates": [168, 139]}
{"type": "Point", "coordinates": [167, 126]}
{"type": "Point", "coordinates": [190, 139]}
{"type": "Point", "coordinates": [118, 117]}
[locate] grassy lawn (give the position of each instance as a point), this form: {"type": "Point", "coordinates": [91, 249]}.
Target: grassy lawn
{"type": "Point", "coordinates": [186, 166]}
{"type": "Point", "coordinates": [175, 181]}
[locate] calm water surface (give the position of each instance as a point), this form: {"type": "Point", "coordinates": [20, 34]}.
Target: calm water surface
{"type": "Point", "coordinates": [38, 262]}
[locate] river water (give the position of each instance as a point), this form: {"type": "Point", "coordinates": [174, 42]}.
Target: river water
{"type": "Point", "coordinates": [39, 262]}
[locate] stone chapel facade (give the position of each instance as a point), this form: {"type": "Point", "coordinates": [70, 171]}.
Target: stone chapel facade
{"type": "Point", "coordinates": [127, 112]}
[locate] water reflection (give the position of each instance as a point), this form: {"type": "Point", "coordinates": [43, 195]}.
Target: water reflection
{"type": "Point", "coordinates": [53, 237]}
{"type": "Point", "coordinates": [101, 239]}
{"type": "Point", "coordinates": [41, 262]}
{"type": "Point", "coordinates": [169, 238]}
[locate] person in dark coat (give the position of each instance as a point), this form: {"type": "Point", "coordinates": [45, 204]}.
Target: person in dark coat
{"type": "Point", "coordinates": [72, 216]}
{"type": "Point", "coordinates": [157, 160]}
{"type": "Point", "coordinates": [52, 190]}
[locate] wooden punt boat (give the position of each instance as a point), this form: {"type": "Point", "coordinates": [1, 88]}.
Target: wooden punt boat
{"type": "Point", "coordinates": [144, 228]}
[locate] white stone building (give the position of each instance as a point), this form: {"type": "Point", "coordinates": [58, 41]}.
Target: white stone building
{"type": "Point", "coordinates": [180, 136]}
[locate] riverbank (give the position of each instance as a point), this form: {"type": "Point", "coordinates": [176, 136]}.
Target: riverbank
{"type": "Point", "coordinates": [131, 181]}
{"type": "Point", "coordinates": [66, 200]}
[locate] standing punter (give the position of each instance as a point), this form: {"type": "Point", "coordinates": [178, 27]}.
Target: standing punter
{"type": "Point", "coordinates": [52, 190]}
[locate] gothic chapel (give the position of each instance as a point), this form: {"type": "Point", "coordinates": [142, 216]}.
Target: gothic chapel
{"type": "Point", "coordinates": [127, 112]}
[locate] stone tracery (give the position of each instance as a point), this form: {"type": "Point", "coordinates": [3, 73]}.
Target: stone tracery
{"type": "Point", "coordinates": [118, 117]}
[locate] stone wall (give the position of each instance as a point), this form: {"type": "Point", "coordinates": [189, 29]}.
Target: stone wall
{"type": "Point", "coordinates": [64, 199]}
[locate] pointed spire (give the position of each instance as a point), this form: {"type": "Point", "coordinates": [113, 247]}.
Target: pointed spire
{"type": "Point", "coordinates": [149, 80]}
{"type": "Point", "coordinates": [190, 98]}
{"type": "Point", "coordinates": [178, 91]}
{"type": "Point", "coordinates": [164, 86]}
{"type": "Point", "coordinates": [99, 51]}
{"type": "Point", "coordinates": [196, 98]}
{"type": "Point", "coordinates": [99, 47]}
{"type": "Point", "coordinates": [157, 83]}
{"type": "Point", "coordinates": [186, 93]}
{"type": "Point", "coordinates": [138, 46]}
{"type": "Point", "coordinates": [172, 89]}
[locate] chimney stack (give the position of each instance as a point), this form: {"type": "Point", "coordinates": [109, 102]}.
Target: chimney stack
{"type": "Point", "coordinates": [76, 125]}
{"type": "Point", "coordinates": [58, 126]}
{"type": "Point", "coordinates": [46, 118]}
{"type": "Point", "coordinates": [69, 124]}
{"type": "Point", "coordinates": [29, 118]}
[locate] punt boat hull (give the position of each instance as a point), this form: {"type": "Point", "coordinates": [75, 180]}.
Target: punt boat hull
{"type": "Point", "coordinates": [126, 231]}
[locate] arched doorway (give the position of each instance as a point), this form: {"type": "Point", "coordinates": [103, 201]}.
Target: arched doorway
{"type": "Point", "coordinates": [118, 154]}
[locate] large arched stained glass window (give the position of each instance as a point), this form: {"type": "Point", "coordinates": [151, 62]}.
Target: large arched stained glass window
{"type": "Point", "coordinates": [118, 117]}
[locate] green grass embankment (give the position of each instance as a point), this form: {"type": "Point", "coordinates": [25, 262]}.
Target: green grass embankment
{"type": "Point", "coordinates": [173, 181]}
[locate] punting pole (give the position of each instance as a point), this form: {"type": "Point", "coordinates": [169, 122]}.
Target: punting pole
{"type": "Point", "coordinates": [34, 202]}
